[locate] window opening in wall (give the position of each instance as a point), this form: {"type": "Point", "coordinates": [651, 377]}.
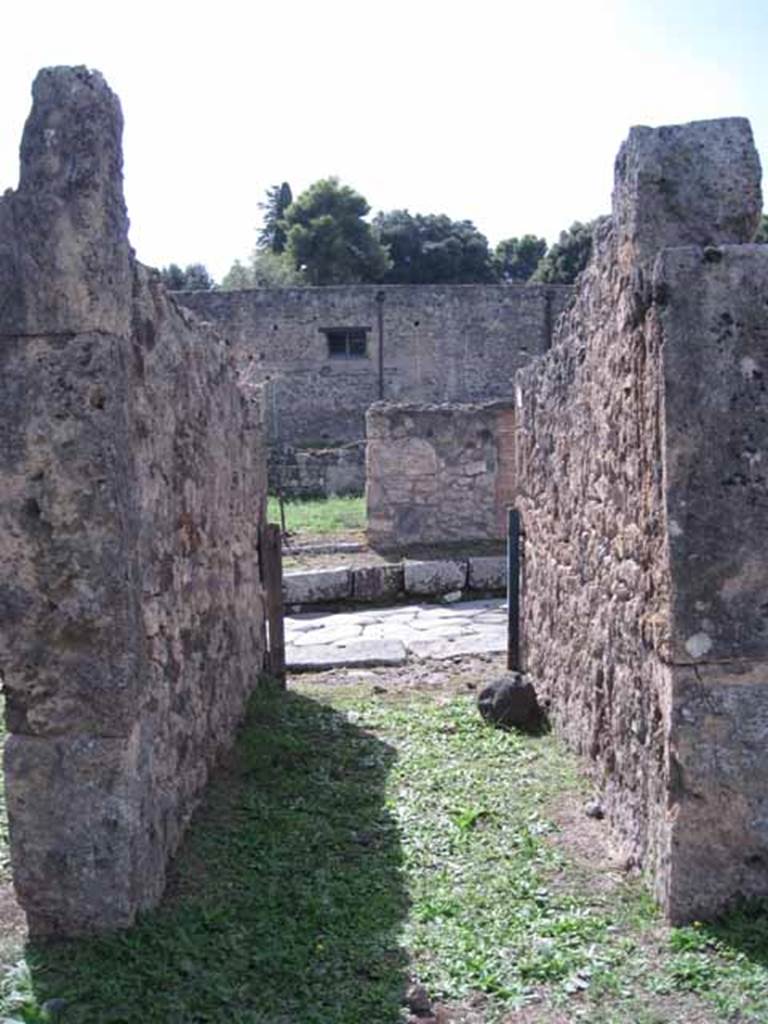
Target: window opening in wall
{"type": "Point", "coordinates": [347, 342]}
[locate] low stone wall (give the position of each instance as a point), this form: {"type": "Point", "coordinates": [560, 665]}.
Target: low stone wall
{"type": "Point", "coordinates": [132, 486]}
{"type": "Point", "coordinates": [642, 437]}
{"type": "Point", "coordinates": [439, 473]}
{"type": "Point", "coordinates": [411, 578]}
{"type": "Point", "coordinates": [317, 473]}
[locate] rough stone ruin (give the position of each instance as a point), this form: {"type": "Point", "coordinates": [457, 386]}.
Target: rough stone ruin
{"type": "Point", "coordinates": [327, 354]}
{"type": "Point", "coordinates": [642, 440]}
{"type": "Point", "coordinates": [132, 487]}
{"type": "Point", "coordinates": [132, 484]}
{"type": "Point", "coordinates": [439, 474]}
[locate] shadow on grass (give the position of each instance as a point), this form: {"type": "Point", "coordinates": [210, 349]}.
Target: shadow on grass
{"type": "Point", "coordinates": [744, 930]}
{"type": "Point", "coordinates": [284, 904]}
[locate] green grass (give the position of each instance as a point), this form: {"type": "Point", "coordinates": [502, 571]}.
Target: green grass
{"type": "Point", "coordinates": [355, 841]}
{"type": "Point", "coordinates": [320, 515]}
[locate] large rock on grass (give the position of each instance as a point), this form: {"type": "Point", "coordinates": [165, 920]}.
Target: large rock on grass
{"type": "Point", "coordinates": [510, 702]}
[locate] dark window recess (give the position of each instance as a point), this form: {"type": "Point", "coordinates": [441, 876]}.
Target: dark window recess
{"type": "Point", "coordinates": [347, 342]}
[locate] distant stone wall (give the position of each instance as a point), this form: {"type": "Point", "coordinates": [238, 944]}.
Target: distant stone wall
{"type": "Point", "coordinates": [441, 343]}
{"type": "Point", "coordinates": [439, 473]}
{"type": "Point", "coordinates": [132, 486]}
{"type": "Point", "coordinates": [317, 473]}
{"type": "Point", "coordinates": [642, 437]}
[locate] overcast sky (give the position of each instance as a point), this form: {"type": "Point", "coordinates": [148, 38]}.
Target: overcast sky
{"type": "Point", "coordinates": [508, 114]}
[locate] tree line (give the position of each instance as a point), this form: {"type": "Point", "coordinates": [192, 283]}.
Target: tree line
{"type": "Point", "coordinates": [323, 237]}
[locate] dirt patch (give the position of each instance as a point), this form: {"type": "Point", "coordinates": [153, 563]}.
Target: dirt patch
{"type": "Point", "coordinates": [587, 843]}
{"type": "Point", "coordinates": [538, 1015]}
{"type": "Point", "coordinates": [451, 675]}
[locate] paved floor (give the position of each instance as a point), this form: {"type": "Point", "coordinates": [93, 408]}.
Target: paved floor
{"type": "Point", "coordinates": [390, 636]}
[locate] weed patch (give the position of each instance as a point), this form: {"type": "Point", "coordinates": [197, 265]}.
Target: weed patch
{"type": "Point", "coordinates": [355, 842]}
{"type": "Point", "coordinates": [320, 516]}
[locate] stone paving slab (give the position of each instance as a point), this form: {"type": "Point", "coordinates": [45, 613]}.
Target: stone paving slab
{"type": "Point", "coordinates": [460, 646]}
{"type": "Point", "coordinates": [389, 636]}
{"type": "Point", "coordinates": [359, 654]}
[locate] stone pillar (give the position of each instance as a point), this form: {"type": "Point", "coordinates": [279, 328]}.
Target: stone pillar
{"type": "Point", "coordinates": [131, 490]}
{"type": "Point", "coordinates": [641, 437]}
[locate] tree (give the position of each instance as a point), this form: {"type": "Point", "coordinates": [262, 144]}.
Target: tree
{"type": "Point", "coordinates": [516, 259]}
{"type": "Point", "coordinates": [197, 278]}
{"type": "Point", "coordinates": [270, 270]}
{"type": "Point", "coordinates": [328, 239]}
{"type": "Point", "coordinates": [568, 256]}
{"type": "Point", "coordinates": [266, 270]}
{"type": "Point", "coordinates": [433, 249]}
{"type": "Point", "coordinates": [238, 276]}
{"type": "Point", "coordinates": [762, 231]}
{"type": "Point", "coordinates": [172, 277]}
{"type": "Point", "coordinates": [272, 236]}
{"type": "Point", "coordinates": [194, 278]}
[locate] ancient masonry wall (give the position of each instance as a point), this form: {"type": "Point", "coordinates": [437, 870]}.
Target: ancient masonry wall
{"type": "Point", "coordinates": [132, 483]}
{"type": "Point", "coordinates": [441, 343]}
{"type": "Point", "coordinates": [642, 441]}
{"type": "Point", "coordinates": [316, 473]}
{"type": "Point", "coordinates": [439, 473]}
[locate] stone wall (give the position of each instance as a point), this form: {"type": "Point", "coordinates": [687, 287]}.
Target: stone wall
{"type": "Point", "coordinates": [439, 473]}
{"type": "Point", "coordinates": [132, 483]}
{"type": "Point", "coordinates": [642, 438]}
{"type": "Point", "coordinates": [441, 343]}
{"type": "Point", "coordinates": [317, 472]}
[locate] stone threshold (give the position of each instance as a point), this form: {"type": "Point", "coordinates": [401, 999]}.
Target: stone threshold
{"type": "Point", "coordinates": [450, 579]}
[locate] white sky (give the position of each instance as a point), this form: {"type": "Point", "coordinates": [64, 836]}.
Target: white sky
{"type": "Point", "coordinates": [505, 113]}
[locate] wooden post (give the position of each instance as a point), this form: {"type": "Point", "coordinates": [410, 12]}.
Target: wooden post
{"type": "Point", "coordinates": [513, 591]}
{"type": "Point", "coordinates": [272, 575]}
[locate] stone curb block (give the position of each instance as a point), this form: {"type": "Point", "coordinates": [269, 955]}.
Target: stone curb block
{"type": "Point", "coordinates": [393, 581]}
{"type": "Point", "coordinates": [435, 577]}
{"type": "Point", "coordinates": [488, 572]}
{"type": "Point", "coordinates": [317, 586]}
{"type": "Point", "coordinates": [377, 582]}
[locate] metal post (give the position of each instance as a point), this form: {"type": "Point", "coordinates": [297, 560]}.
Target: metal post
{"type": "Point", "coordinates": [380, 323]}
{"type": "Point", "coordinates": [513, 590]}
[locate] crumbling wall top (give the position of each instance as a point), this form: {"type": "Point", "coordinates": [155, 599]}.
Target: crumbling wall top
{"type": "Point", "coordinates": [64, 252]}
{"type": "Point", "coordinates": [687, 184]}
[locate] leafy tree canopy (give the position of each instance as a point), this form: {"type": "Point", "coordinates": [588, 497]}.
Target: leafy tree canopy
{"type": "Point", "coordinates": [272, 236]}
{"type": "Point", "coordinates": [238, 276]}
{"type": "Point", "coordinates": [568, 256]}
{"type": "Point", "coordinates": [194, 278]}
{"type": "Point", "coordinates": [762, 231]}
{"type": "Point", "coordinates": [328, 239]}
{"type": "Point", "coordinates": [433, 249]}
{"type": "Point", "coordinates": [265, 270]}
{"type": "Point", "coordinates": [516, 259]}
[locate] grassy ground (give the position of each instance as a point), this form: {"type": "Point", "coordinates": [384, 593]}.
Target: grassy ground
{"type": "Point", "coordinates": [366, 834]}
{"type": "Point", "coordinates": [320, 516]}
